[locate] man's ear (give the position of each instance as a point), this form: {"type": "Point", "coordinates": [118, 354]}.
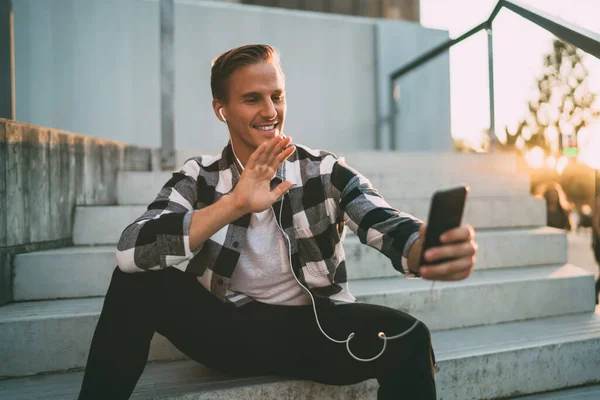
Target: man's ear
{"type": "Point", "coordinates": [217, 105]}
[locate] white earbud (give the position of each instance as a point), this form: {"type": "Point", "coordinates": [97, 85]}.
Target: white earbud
{"type": "Point", "coordinates": [222, 116]}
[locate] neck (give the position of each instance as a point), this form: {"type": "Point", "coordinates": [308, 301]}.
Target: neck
{"type": "Point", "coordinates": [239, 154]}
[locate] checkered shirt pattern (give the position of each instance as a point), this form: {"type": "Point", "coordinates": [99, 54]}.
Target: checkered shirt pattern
{"type": "Point", "coordinates": [326, 195]}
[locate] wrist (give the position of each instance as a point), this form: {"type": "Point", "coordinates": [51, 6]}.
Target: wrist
{"type": "Point", "coordinates": [232, 207]}
{"type": "Point", "coordinates": [414, 255]}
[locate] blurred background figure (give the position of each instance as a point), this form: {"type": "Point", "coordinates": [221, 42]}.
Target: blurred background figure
{"type": "Point", "coordinates": [557, 207]}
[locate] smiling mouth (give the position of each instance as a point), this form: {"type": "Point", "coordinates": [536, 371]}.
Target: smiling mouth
{"type": "Point", "coordinates": [266, 128]}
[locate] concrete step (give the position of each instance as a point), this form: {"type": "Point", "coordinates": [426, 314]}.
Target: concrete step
{"type": "Point", "coordinates": [498, 248]}
{"type": "Point", "coordinates": [71, 272]}
{"type": "Point", "coordinates": [412, 186]}
{"type": "Point", "coordinates": [142, 187]}
{"type": "Point", "coordinates": [373, 161]}
{"type": "Point", "coordinates": [417, 162]}
{"type": "Point", "coordinates": [54, 335]}
{"type": "Point", "coordinates": [495, 361]}
{"type": "Point", "coordinates": [589, 392]}
{"type": "Point", "coordinates": [104, 224]}
{"type": "Point", "coordinates": [486, 297]}
{"type": "Point", "coordinates": [486, 212]}
{"type": "Point", "coordinates": [85, 271]}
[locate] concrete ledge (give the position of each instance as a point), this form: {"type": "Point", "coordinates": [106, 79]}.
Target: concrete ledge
{"type": "Point", "coordinates": [495, 361]}
{"type": "Point", "coordinates": [44, 174]}
{"type": "Point", "coordinates": [48, 172]}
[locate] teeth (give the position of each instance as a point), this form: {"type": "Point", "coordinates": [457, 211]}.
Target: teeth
{"type": "Point", "coordinates": [266, 128]}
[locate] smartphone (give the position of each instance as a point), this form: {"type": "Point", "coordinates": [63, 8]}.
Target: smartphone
{"type": "Point", "coordinates": [445, 213]}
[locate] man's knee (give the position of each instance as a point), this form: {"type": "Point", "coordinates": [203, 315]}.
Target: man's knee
{"type": "Point", "coordinates": [137, 285]}
{"type": "Point", "coordinates": [423, 349]}
{"type": "Point", "coordinates": [420, 341]}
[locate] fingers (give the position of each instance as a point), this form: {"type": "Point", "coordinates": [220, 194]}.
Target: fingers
{"type": "Point", "coordinates": [270, 145]}
{"type": "Point", "coordinates": [461, 234]}
{"type": "Point", "coordinates": [281, 189]}
{"type": "Point", "coordinates": [454, 270]}
{"type": "Point", "coordinates": [254, 158]}
{"type": "Point", "coordinates": [456, 256]}
{"type": "Point", "coordinates": [269, 153]}
{"type": "Point", "coordinates": [451, 251]}
{"type": "Point", "coordinates": [284, 155]}
{"type": "Point", "coordinates": [274, 160]}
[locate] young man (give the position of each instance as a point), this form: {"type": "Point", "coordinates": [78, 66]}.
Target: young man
{"type": "Point", "coordinates": [230, 257]}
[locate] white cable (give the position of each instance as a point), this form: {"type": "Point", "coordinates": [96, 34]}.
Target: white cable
{"type": "Point", "coordinates": [381, 335]}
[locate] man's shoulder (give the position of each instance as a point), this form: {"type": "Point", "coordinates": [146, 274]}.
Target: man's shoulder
{"type": "Point", "coordinates": [202, 165]}
{"type": "Point", "coordinates": [305, 153]}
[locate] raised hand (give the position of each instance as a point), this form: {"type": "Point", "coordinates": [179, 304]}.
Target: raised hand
{"type": "Point", "coordinates": [253, 194]}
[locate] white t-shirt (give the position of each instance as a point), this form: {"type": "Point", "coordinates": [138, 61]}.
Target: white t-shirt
{"type": "Point", "coordinates": [263, 271]}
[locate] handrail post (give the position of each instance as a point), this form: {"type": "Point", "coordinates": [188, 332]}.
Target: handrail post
{"type": "Point", "coordinates": [492, 128]}
{"type": "Point", "coordinates": [167, 84]}
{"type": "Point", "coordinates": [393, 112]}
{"type": "Point", "coordinates": [7, 63]}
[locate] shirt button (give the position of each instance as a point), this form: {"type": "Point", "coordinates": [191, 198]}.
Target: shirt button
{"type": "Point", "coordinates": [236, 244]}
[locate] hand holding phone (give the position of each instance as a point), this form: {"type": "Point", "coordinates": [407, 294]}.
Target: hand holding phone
{"type": "Point", "coordinates": [445, 213]}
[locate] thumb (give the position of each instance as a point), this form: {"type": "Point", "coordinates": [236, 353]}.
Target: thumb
{"type": "Point", "coordinates": [422, 231]}
{"type": "Point", "coordinates": [281, 189]}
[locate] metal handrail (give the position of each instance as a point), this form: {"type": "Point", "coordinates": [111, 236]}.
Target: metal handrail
{"type": "Point", "coordinates": [580, 37]}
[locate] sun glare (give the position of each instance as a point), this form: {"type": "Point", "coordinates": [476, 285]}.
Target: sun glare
{"type": "Point", "coordinates": [535, 158]}
{"type": "Point", "coordinates": [561, 164]}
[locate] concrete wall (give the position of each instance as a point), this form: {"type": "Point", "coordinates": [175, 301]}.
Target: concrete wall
{"type": "Point", "coordinates": [423, 109]}
{"type": "Point", "coordinates": [93, 67]}
{"type": "Point", "coordinates": [407, 10]}
{"type": "Point", "coordinates": [44, 173]}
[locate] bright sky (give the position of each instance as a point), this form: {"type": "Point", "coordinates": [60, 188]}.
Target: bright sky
{"type": "Point", "coordinates": [519, 47]}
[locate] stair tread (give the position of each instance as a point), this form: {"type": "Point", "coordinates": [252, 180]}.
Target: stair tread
{"type": "Point", "coordinates": [176, 378]}
{"type": "Point", "coordinates": [350, 236]}
{"type": "Point", "coordinates": [508, 336]}
{"type": "Point", "coordinates": [83, 249]}
{"type": "Point", "coordinates": [389, 285]}
{"type": "Point", "coordinates": [400, 284]}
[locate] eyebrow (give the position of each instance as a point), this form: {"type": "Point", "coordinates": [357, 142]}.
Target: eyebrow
{"type": "Point", "coordinates": [258, 94]}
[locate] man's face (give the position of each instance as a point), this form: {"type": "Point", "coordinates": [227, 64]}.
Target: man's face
{"type": "Point", "coordinates": [255, 110]}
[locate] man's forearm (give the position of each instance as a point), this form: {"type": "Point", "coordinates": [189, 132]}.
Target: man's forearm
{"type": "Point", "coordinates": [209, 220]}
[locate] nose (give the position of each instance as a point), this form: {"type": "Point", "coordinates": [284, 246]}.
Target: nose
{"type": "Point", "coordinates": [269, 111]}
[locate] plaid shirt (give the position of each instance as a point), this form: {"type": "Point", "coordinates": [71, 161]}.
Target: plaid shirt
{"type": "Point", "coordinates": [326, 195]}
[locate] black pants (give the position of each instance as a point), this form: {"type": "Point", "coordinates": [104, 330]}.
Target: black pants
{"type": "Point", "coordinates": [254, 339]}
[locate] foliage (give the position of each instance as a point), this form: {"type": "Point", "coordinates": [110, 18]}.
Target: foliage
{"type": "Point", "coordinates": [562, 106]}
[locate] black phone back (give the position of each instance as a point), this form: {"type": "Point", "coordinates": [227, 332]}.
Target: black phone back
{"type": "Point", "coordinates": [445, 213]}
